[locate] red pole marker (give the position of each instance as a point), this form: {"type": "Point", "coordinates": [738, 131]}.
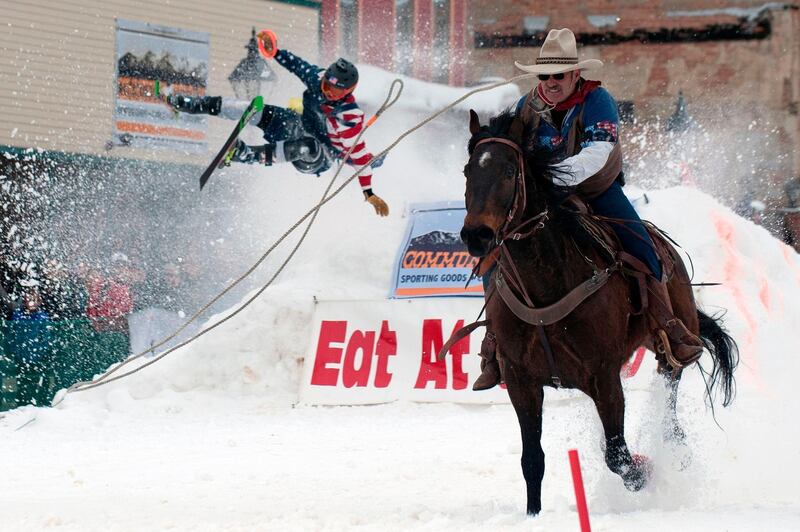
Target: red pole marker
{"type": "Point", "coordinates": [580, 495]}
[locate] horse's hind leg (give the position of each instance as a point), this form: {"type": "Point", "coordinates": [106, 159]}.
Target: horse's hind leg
{"type": "Point", "coordinates": [673, 432]}
{"type": "Point", "coordinates": [610, 402]}
{"type": "Point", "coordinates": [527, 400]}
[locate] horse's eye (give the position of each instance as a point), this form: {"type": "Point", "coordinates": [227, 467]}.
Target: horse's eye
{"type": "Point", "coordinates": [511, 172]}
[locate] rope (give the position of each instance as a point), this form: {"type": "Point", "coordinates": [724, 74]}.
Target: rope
{"type": "Point", "coordinates": [390, 100]}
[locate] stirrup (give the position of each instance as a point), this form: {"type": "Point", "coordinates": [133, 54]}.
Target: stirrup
{"type": "Point", "coordinates": [664, 348]}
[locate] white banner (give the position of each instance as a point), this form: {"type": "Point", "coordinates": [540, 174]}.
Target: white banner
{"type": "Point", "coordinates": [365, 352]}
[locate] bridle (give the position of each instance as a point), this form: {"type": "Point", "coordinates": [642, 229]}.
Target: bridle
{"type": "Point", "coordinates": [510, 231]}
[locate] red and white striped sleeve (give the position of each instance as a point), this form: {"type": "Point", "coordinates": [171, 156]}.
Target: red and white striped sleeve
{"type": "Point", "coordinates": [343, 128]}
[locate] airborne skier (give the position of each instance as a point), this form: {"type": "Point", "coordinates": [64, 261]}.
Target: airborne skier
{"type": "Point", "coordinates": [330, 122]}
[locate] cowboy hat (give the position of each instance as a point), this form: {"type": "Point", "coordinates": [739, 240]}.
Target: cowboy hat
{"type": "Point", "coordinates": [559, 54]}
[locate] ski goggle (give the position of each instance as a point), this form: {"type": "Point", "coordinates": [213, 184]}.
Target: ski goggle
{"type": "Point", "coordinates": [545, 77]}
{"type": "Point", "coordinates": [332, 92]}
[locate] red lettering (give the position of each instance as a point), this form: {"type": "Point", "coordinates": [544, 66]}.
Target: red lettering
{"type": "Point", "coordinates": [458, 350]}
{"type": "Point", "coordinates": [329, 332]}
{"type": "Point", "coordinates": [433, 370]}
{"type": "Point", "coordinates": [387, 347]}
{"type": "Point", "coordinates": [352, 376]}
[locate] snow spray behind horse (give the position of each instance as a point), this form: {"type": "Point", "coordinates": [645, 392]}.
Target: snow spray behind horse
{"type": "Point", "coordinates": [564, 308]}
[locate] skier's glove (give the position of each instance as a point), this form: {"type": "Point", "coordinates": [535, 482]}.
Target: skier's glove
{"type": "Point", "coordinates": [267, 43]}
{"type": "Point", "coordinates": [381, 209]}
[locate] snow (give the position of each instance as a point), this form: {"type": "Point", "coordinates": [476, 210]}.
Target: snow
{"type": "Point", "coordinates": [211, 437]}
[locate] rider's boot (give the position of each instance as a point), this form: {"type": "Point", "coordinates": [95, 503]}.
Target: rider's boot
{"type": "Point", "coordinates": [491, 375]}
{"type": "Point", "coordinates": [196, 105]}
{"type": "Point", "coordinates": [679, 346]}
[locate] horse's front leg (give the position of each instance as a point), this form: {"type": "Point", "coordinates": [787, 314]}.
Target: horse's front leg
{"type": "Point", "coordinates": [606, 391]}
{"type": "Point", "coordinates": [527, 399]}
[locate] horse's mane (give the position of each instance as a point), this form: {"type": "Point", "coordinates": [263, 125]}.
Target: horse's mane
{"type": "Point", "coordinates": [541, 167]}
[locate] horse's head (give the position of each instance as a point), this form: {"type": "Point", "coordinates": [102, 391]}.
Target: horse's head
{"type": "Point", "coordinates": [494, 181]}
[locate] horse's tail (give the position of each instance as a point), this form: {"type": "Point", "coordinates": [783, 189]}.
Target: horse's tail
{"type": "Point", "coordinates": [724, 353]}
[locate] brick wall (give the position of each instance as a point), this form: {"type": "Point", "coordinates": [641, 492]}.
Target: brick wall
{"type": "Point", "coordinates": [743, 93]}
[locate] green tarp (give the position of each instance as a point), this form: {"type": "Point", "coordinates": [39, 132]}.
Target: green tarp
{"type": "Point", "coordinates": [76, 353]}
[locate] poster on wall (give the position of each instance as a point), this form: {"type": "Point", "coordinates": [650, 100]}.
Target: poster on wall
{"type": "Point", "coordinates": [147, 53]}
{"type": "Point", "coordinates": [432, 260]}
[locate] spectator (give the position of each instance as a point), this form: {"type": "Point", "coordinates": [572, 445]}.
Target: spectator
{"type": "Point", "coordinates": [7, 303]}
{"type": "Point", "coordinates": [29, 343]}
{"type": "Point", "coordinates": [165, 310]}
{"type": "Point", "coordinates": [110, 297]}
{"type": "Point", "coordinates": [64, 292]}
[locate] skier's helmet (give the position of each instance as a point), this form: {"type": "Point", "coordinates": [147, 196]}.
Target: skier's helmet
{"type": "Point", "coordinates": [339, 79]}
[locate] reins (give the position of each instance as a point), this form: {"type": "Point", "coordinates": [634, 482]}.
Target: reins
{"type": "Point", "coordinates": [508, 282]}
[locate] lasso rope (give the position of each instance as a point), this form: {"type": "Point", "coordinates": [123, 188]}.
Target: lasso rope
{"type": "Point", "coordinates": [107, 377]}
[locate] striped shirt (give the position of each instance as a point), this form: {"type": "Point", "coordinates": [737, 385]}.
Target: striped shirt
{"type": "Point", "coordinates": [343, 124]}
{"type": "Point", "coordinates": [343, 119]}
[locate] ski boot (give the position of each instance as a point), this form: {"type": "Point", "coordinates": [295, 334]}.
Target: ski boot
{"type": "Point", "coordinates": [195, 105]}
{"type": "Point", "coordinates": [242, 153]}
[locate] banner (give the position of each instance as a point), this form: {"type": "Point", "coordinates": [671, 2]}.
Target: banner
{"type": "Point", "coordinates": [369, 352]}
{"type": "Point", "coordinates": [366, 352]}
{"type": "Point", "coordinates": [432, 260]}
{"type": "Point", "coordinates": [147, 53]}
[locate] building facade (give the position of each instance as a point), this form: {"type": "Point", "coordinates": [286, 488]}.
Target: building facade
{"type": "Point", "coordinates": [735, 64]}
{"type": "Point", "coordinates": [425, 39]}
{"type": "Point", "coordinates": [93, 165]}
{"type": "Point", "coordinates": [59, 67]}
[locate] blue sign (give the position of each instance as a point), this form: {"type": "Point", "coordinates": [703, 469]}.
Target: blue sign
{"type": "Point", "coordinates": [433, 261]}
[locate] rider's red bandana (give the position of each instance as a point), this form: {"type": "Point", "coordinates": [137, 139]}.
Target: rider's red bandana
{"type": "Point", "coordinates": [585, 86]}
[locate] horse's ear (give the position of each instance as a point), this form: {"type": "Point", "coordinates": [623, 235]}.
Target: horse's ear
{"type": "Point", "coordinates": [474, 122]}
{"type": "Point", "coordinates": [515, 131]}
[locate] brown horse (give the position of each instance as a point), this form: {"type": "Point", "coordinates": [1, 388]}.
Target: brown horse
{"type": "Point", "coordinates": [513, 202]}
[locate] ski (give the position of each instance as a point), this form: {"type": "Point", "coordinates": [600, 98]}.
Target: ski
{"type": "Point", "coordinates": [223, 157]}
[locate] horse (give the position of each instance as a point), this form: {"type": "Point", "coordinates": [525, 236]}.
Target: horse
{"type": "Point", "coordinates": [517, 212]}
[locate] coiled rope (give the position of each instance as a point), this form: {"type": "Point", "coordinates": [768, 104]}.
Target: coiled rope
{"type": "Point", "coordinates": [390, 100]}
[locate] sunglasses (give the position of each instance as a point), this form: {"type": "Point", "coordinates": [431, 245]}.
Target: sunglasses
{"type": "Point", "coordinates": [545, 77]}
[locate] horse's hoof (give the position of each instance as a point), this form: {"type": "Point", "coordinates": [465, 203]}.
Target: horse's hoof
{"type": "Point", "coordinates": [639, 474]}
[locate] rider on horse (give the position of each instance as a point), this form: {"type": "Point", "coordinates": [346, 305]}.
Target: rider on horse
{"type": "Point", "coordinates": [577, 120]}
{"type": "Point", "coordinates": [326, 129]}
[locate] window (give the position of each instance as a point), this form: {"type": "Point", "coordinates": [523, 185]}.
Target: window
{"type": "Point", "coordinates": [349, 24]}
{"type": "Point", "coordinates": [441, 41]}
{"type": "Point", "coordinates": [404, 49]}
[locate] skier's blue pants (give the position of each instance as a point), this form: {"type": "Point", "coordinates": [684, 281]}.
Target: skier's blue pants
{"type": "Point", "coordinates": [279, 124]}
